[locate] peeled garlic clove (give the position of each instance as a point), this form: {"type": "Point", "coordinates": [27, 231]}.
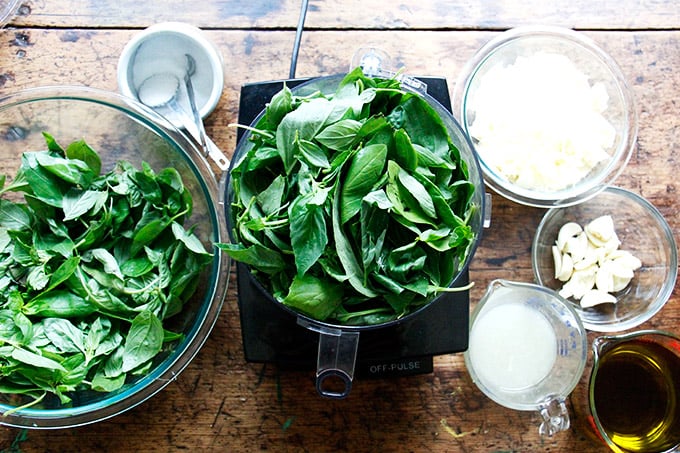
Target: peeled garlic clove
{"type": "Point", "coordinates": [566, 291]}
{"type": "Point", "coordinates": [624, 258]}
{"type": "Point", "coordinates": [600, 230]}
{"type": "Point", "coordinates": [566, 268]}
{"type": "Point", "coordinates": [577, 247]}
{"type": "Point", "coordinates": [611, 245]}
{"type": "Point", "coordinates": [557, 260]}
{"type": "Point", "coordinates": [595, 297]}
{"type": "Point", "coordinates": [619, 283]}
{"type": "Point", "coordinates": [622, 266]}
{"type": "Point", "coordinates": [582, 280]}
{"type": "Point", "coordinates": [586, 261]}
{"type": "Point", "coordinates": [604, 280]}
{"type": "Point", "coordinates": [594, 253]}
{"type": "Point", "coordinates": [621, 271]}
{"type": "Point", "coordinates": [567, 231]}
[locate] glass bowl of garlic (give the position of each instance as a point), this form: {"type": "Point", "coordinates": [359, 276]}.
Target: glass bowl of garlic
{"type": "Point", "coordinates": [613, 257]}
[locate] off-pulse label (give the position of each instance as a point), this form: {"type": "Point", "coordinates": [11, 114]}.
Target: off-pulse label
{"type": "Point", "coordinates": [398, 367]}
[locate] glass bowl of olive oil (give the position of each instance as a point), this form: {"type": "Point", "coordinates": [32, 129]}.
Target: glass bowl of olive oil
{"type": "Point", "coordinates": [635, 391]}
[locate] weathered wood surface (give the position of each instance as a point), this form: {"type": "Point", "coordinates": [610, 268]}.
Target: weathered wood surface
{"type": "Point", "coordinates": [357, 14]}
{"type": "Point", "coordinates": [221, 403]}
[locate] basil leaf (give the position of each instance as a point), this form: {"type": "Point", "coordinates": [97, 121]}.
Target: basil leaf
{"type": "Point", "coordinates": [136, 267]}
{"type": "Point", "coordinates": [314, 297]}
{"type": "Point", "coordinates": [13, 216]}
{"type": "Point", "coordinates": [58, 303]}
{"type": "Point", "coordinates": [148, 233]}
{"type": "Point", "coordinates": [313, 154]}
{"type": "Point", "coordinates": [36, 360]}
{"type": "Point", "coordinates": [63, 272]}
{"type": "Point", "coordinates": [71, 171]}
{"type": "Point", "coordinates": [346, 253]}
{"type": "Point", "coordinates": [406, 155]}
{"type": "Point", "coordinates": [64, 335]}
{"type": "Point", "coordinates": [340, 135]}
{"type": "Point", "coordinates": [143, 342]}
{"type": "Point", "coordinates": [423, 125]}
{"type": "Point", "coordinates": [107, 260]}
{"type": "Point", "coordinates": [308, 235]}
{"type": "Point", "coordinates": [52, 144]}
{"type": "Point", "coordinates": [103, 383]}
{"type": "Point", "coordinates": [300, 124]}
{"type": "Point", "coordinates": [280, 105]}
{"type": "Point", "coordinates": [9, 330]}
{"type": "Point", "coordinates": [271, 198]}
{"type": "Point", "coordinates": [42, 184]}
{"type": "Point", "coordinates": [37, 278]}
{"type": "Point", "coordinates": [374, 220]}
{"type": "Point", "coordinates": [98, 330]}
{"type": "Point", "coordinates": [257, 256]}
{"type": "Point", "coordinates": [81, 151]}
{"type": "Point", "coordinates": [366, 168]}
{"type": "Point", "coordinates": [77, 202]}
{"type": "Point", "coordinates": [418, 191]}
{"type": "Point", "coordinates": [190, 241]}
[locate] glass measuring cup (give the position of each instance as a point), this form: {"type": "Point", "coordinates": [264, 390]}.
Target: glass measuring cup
{"type": "Point", "coordinates": [634, 391]}
{"type": "Point", "coordinates": [527, 350]}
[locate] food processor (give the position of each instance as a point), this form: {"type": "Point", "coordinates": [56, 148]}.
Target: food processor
{"type": "Point", "coordinates": [273, 334]}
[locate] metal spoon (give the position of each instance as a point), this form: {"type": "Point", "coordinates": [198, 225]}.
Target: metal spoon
{"type": "Point", "coordinates": [208, 145]}
{"type": "Point", "coordinates": [161, 92]}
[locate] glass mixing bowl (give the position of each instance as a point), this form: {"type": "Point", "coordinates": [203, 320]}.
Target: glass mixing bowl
{"type": "Point", "coordinates": [120, 128]}
{"type": "Point", "coordinates": [539, 103]}
{"type": "Point", "coordinates": [643, 231]}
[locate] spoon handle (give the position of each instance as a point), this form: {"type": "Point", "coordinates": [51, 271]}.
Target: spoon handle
{"type": "Point", "coordinates": [208, 145]}
{"type": "Point", "coordinates": [215, 153]}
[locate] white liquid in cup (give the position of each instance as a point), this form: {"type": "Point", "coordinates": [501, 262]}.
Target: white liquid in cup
{"type": "Point", "coordinates": [512, 347]}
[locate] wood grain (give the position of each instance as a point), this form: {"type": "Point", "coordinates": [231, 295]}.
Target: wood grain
{"type": "Point", "coordinates": [355, 14]}
{"type": "Point", "coordinates": [221, 403]}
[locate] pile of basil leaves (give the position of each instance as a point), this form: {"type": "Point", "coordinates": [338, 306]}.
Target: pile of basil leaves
{"type": "Point", "coordinates": [91, 267]}
{"type": "Point", "coordinates": [352, 208]}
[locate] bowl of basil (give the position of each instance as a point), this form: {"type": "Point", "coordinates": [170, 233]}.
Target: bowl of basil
{"type": "Point", "coordinates": [355, 201]}
{"type": "Point", "coordinates": [110, 280]}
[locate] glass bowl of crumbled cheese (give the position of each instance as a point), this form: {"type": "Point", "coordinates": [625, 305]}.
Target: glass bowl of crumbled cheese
{"type": "Point", "coordinates": [550, 114]}
{"type": "Point", "coordinates": [613, 257]}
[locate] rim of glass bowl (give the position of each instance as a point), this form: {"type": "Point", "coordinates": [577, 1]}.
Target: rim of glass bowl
{"type": "Point", "coordinates": [7, 11]}
{"type": "Point", "coordinates": [669, 283]}
{"type": "Point", "coordinates": [574, 194]}
{"type": "Point", "coordinates": [167, 370]}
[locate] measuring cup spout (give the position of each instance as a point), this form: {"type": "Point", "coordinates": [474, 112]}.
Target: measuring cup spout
{"type": "Point", "coordinates": [601, 344]}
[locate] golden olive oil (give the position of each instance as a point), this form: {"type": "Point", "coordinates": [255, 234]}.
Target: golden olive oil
{"type": "Point", "coordinates": [636, 396]}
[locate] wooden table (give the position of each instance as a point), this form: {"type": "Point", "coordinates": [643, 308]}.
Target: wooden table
{"type": "Point", "coordinates": [222, 403]}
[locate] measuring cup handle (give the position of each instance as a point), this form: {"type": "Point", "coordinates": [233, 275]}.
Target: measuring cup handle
{"type": "Point", "coordinates": [555, 416]}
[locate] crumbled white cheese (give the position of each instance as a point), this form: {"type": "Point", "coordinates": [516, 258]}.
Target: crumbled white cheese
{"type": "Point", "coordinates": [539, 122]}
